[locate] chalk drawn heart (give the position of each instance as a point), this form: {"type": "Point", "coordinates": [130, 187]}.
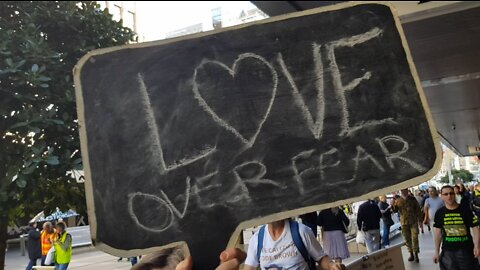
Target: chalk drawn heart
{"type": "Point", "coordinates": [239, 99]}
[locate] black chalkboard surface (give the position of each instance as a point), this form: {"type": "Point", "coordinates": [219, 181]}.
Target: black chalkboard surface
{"type": "Point", "coordinates": [192, 139]}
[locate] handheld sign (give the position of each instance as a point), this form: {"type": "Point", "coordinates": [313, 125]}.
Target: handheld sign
{"type": "Point", "coordinates": [383, 259]}
{"type": "Point", "coordinates": [192, 139]}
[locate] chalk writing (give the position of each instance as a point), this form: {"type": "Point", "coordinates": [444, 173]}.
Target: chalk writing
{"type": "Point", "coordinates": [156, 149]}
{"type": "Point", "coordinates": [205, 184]}
{"type": "Point", "coordinates": [232, 71]}
{"type": "Point", "coordinates": [323, 166]}
{"type": "Point", "coordinates": [298, 175]}
{"type": "Point", "coordinates": [165, 211]}
{"type": "Point", "coordinates": [362, 155]}
{"type": "Point", "coordinates": [370, 123]}
{"type": "Point", "coordinates": [254, 179]}
{"type": "Point", "coordinates": [340, 88]}
{"type": "Point", "coordinates": [397, 155]}
{"type": "Point", "coordinates": [317, 126]}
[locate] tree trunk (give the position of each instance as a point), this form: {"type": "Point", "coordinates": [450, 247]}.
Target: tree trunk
{"type": "Point", "coordinates": [3, 239]}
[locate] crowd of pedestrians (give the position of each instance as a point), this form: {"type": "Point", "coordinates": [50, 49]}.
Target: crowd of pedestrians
{"type": "Point", "coordinates": [450, 215]}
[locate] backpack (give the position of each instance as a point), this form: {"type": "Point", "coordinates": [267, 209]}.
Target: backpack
{"type": "Point", "coordinates": [297, 240]}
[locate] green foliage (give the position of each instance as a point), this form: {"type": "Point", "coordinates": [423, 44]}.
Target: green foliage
{"type": "Point", "coordinates": [40, 43]}
{"type": "Point", "coordinates": [464, 175]}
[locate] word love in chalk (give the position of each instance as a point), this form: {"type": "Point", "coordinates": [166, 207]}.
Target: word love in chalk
{"type": "Point", "coordinates": [315, 126]}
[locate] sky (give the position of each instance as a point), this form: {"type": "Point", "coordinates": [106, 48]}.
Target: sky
{"type": "Point", "coordinates": [155, 18]}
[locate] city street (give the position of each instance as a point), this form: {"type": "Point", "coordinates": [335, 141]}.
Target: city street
{"type": "Point", "coordinates": [89, 258]}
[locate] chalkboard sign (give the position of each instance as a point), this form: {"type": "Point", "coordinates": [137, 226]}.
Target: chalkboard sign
{"type": "Point", "coordinates": [192, 139]}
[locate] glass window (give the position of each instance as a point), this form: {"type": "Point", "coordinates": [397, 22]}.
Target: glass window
{"type": "Point", "coordinates": [129, 20]}
{"type": "Point", "coordinates": [116, 12]}
{"type": "Point", "coordinates": [217, 17]}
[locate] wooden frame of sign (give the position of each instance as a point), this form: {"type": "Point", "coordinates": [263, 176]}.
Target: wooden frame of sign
{"type": "Point", "coordinates": [192, 139]}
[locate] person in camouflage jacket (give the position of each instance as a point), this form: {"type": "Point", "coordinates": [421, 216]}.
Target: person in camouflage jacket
{"type": "Point", "coordinates": [410, 213]}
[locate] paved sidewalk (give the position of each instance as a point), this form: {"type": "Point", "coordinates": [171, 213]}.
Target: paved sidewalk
{"type": "Point", "coordinates": [427, 249]}
{"type": "Point", "coordinates": [85, 258]}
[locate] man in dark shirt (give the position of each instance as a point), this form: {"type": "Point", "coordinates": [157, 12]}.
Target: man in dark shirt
{"type": "Point", "coordinates": [368, 221]}
{"type": "Point", "coordinates": [386, 211]}
{"type": "Point", "coordinates": [34, 246]}
{"type": "Point", "coordinates": [310, 220]}
{"type": "Point", "coordinates": [452, 230]}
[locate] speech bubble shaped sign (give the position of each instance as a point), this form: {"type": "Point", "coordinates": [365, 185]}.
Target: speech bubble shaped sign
{"type": "Point", "coordinates": [189, 140]}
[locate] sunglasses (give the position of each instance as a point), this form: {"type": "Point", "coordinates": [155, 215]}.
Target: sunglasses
{"type": "Point", "coordinates": [449, 193]}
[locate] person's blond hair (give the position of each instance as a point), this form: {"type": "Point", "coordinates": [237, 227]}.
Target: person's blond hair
{"type": "Point", "coordinates": [166, 259]}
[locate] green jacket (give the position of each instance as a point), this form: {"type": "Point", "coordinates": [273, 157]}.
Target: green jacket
{"type": "Point", "coordinates": [409, 209]}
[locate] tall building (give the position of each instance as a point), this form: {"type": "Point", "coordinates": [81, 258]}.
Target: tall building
{"type": "Point", "coordinates": [451, 161]}
{"type": "Point", "coordinates": [192, 29]}
{"type": "Point", "coordinates": [125, 11]}
{"type": "Point", "coordinates": [157, 20]}
{"type": "Point", "coordinates": [244, 16]}
{"type": "Point", "coordinates": [470, 163]}
{"type": "Point", "coordinates": [251, 15]}
{"type": "Point", "coordinates": [217, 18]}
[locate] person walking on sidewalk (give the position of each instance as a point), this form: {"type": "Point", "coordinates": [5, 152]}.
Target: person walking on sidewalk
{"type": "Point", "coordinates": [334, 223]}
{"type": "Point", "coordinates": [63, 247]}
{"type": "Point", "coordinates": [33, 245]}
{"type": "Point", "coordinates": [368, 220]}
{"type": "Point", "coordinates": [432, 204]}
{"type": "Point", "coordinates": [452, 231]}
{"type": "Point", "coordinates": [310, 220]}
{"type": "Point", "coordinates": [386, 210]}
{"type": "Point", "coordinates": [409, 210]}
{"type": "Point", "coordinates": [476, 200]}
{"type": "Point", "coordinates": [48, 237]}
{"type": "Point", "coordinates": [420, 197]}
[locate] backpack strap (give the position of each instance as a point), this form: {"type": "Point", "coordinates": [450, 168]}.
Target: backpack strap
{"type": "Point", "coordinates": [261, 234]}
{"type": "Point", "coordinates": [297, 240]}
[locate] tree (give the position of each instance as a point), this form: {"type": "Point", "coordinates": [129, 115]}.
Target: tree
{"type": "Point", "coordinates": [464, 175]}
{"type": "Point", "coordinates": [40, 43]}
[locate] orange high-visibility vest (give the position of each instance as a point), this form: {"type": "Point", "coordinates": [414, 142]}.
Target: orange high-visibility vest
{"type": "Point", "coordinates": [46, 245]}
